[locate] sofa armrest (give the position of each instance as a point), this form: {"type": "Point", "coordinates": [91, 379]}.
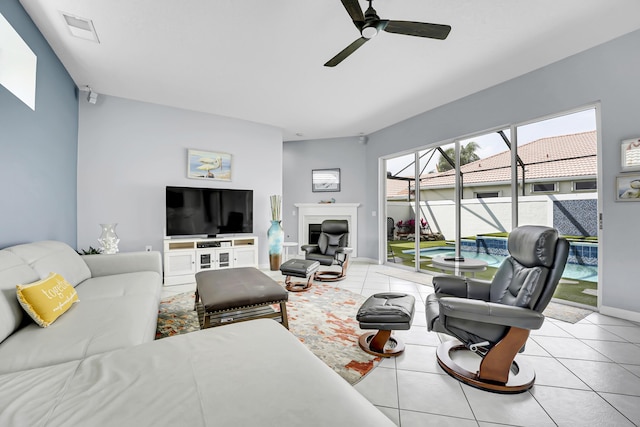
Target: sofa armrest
{"type": "Point", "coordinates": [127, 262]}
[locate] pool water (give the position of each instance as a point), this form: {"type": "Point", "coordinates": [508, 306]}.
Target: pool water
{"type": "Point", "coordinates": [587, 273]}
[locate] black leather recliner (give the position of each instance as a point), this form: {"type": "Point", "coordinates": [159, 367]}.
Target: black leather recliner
{"type": "Point", "coordinates": [332, 248]}
{"type": "Point", "coordinates": [493, 319]}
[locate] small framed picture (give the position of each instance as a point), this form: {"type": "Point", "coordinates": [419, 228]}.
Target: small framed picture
{"type": "Point", "coordinates": [630, 150]}
{"type": "Point", "coordinates": [208, 165]}
{"type": "Point", "coordinates": [628, 188]}
{"type": "Point", "coordinates": [325, 180]}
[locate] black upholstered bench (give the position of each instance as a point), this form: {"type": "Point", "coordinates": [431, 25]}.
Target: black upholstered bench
{"type": "Point", "coordinates": [237, 294]}
{"type": "Point", "coordinates": [299, 268]}
{"type": "Point", "coordinates": [386, 312]}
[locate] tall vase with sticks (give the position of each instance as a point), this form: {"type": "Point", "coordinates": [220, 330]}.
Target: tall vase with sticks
{"type": "Point", "coordinates": [275, 233]}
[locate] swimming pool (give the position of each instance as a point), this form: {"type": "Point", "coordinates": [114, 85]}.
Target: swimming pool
{"type": "Point", "coordinates": [587, 273]}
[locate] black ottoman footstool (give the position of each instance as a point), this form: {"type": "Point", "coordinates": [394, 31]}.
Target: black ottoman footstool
{"type": "Point", "coordinates": [299, 268]}
{"type": "Point", "coordinates": [386, 312]}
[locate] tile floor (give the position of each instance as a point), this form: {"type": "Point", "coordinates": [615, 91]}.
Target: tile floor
{"type": "Point", "coordinates": [588, 373]}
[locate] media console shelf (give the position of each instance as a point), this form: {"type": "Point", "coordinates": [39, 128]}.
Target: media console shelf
{"type": "Point", "coordinates": [183, 258]}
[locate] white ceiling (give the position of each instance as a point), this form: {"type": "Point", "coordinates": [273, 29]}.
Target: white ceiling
{"type": "Point", "coordinates": [262, 60]}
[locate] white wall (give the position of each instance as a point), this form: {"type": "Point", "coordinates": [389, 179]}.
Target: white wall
{"type": "Point", "coordinates": [481, 216]}
{"type": "Point", "coordinates": [129, 151]}
{"type": "Point", "coordinates": [605, 75]}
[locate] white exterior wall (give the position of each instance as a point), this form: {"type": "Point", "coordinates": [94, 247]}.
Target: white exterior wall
{"type": "Point", "coordinates": [481, 216]}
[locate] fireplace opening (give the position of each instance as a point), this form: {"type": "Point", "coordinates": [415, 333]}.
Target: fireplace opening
{"type": "Point", "coordinates": [314, 233]}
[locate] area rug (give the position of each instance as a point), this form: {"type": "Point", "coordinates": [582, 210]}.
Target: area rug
{"type": "Point", "coordinates": [323, 318]}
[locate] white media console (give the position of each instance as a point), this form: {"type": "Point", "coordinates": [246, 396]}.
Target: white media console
{"type": "Point", "coordinates": [183, 258]}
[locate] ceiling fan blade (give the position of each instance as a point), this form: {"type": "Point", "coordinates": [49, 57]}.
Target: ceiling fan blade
{"type": "Point", "coordinates": [418, 29]}
{"type": "Point", "coordinates": [346, 52]}
{"type": "Point", "coordinates": [355, 12]}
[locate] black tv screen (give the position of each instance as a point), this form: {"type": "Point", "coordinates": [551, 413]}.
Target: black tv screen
{"type": "Point", "coordinates": [208, 211]}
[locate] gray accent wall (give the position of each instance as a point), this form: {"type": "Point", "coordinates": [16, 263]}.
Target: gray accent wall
{"type": "Point", "coordinates": [129, 151]}
{"type": "Point", "coordinates": [38, 149]}
{"type": "Point", "coordinates": [301, 157]}
{"type": "Point", "coordinates": [606, 75]}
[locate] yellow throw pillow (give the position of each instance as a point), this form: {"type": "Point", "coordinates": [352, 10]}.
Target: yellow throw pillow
{"type": "Point", "coordinates": [47, 299]}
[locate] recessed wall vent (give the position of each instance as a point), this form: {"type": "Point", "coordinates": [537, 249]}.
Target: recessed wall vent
{"type": "Point", "coordinates": [80, 27]}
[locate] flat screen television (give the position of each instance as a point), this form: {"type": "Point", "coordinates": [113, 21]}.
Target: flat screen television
{"type": "Point", "coordinates": [208, 211]}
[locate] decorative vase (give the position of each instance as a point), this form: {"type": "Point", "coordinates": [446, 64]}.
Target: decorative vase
{"type": "Point", "coordinates": [109, 239]}
{"type": "Point", "coordinates": [275, 236]}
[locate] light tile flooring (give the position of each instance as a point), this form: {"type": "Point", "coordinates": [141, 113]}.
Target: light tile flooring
{"type": "Point", "coordinates": [588, 373]}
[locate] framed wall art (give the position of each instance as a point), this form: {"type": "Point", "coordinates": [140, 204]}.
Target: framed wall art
{"type": "Point", "coordinates": [630, 150]}
{"type": "Point", "coordinates": [628, 188]}
{"type": "Point", "coordinates": [208, 165]}
{"type": "Point", "coordinates": [325, 180]}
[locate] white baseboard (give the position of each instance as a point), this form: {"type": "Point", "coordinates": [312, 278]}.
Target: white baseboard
{"type": "Point", "coordinates": [620, 313]}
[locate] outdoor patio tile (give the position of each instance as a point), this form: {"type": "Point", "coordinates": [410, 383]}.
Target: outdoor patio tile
{"type": "Point", "coordinates": [515, 409]}
{"type": "Point", "coordinates": [588, 332]}
{"type": "Point", "coordinates": [619, 352]}
{"type": "Point", "coordinates": [629, 406]}
{"type": "Point", "coordinates": [602, 376]}
{"type": "Point", "coordinates": [380, 387]}
{"type": "Point", "coordinates": [551, 372]}
{"type": "Point", "coordinates": [417, 391]}
{"type": "Point", "coordinates": [569, 348]}
{"type": "Point", "coordinates": [560, 404]}
{"type": "Point", "coordinates": [421, 419]}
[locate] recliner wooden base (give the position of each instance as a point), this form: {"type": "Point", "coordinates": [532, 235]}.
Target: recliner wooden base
{"type": "Point", "coordinates": [374, 343]}
{"type": "Point", "coordinates": [520, 378]}
{"type": "Point", "coordinates": [297, 286]}
{"type": "Point", "coordinates": [329, 276]}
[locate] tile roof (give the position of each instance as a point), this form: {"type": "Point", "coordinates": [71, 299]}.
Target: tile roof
{"type": "Point", "coordinates": [564, 156]}
{"type": "Point", "coordinates": [554, 157]}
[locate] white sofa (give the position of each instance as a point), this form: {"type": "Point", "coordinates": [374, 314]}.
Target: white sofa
{"type": "Point", "coordinates": [99, 365]}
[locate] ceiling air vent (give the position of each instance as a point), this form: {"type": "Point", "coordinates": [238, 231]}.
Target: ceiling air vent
{"type": "Point", "coordinates": [81, 27]}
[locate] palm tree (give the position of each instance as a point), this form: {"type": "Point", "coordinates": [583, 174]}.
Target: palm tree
{"type": "Point", "coordinates": [467, 155]}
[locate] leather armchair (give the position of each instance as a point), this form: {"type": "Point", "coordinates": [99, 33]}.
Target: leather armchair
{"type": "Point", "coordinates": [331, 249]}
{"type": "Point", "coordinates": [493, 319]}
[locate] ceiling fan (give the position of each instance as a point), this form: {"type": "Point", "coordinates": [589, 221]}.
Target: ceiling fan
{"type": "Point", "coordinates": [369, 24]}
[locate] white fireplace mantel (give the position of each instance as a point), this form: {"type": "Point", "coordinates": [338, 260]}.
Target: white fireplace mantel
{"type": "Point", "coordinates": [315, 213]}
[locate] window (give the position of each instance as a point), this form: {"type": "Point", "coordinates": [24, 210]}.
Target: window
{"type": "Point", "coordinates": [487, 194]}
{"type": "Point", "coordinates": [546, 187]}
{"type": "Point", "coordinates": [590, 185]}
{"type": "Point", "coordinates": [17, 65]}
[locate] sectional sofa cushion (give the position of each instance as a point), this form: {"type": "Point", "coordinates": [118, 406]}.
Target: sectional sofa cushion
{"type": "Point", "coordinates": [47, 256]}
{"type": "Point", "coordinates": [247, 373]}
{"type": "Point", "coordinates": [109, 316]}
{"type": "Point", "coordinates": [46, 299]}
{"type": "Point", "coordinates": [13, 271]}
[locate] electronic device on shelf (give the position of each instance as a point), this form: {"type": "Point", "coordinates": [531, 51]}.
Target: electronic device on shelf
{"type": "Point", "coordinates": [194, 211]}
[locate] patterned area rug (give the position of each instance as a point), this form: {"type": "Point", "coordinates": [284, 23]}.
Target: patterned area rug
{"type": "Point", "coordinates": [323, 318]}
